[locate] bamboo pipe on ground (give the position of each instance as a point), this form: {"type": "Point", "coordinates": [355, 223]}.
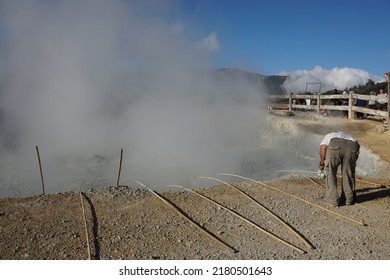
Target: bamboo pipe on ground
{"type": "Point", "coordinates": [208, 234]}
{"type": "Point", "coordinates": [267, 210]}
{"type": "Point", "coordinates": [315, 182]}
{"type": "Point", "coordinates": [246, 220]}
{"type": "Point", "coordinates": [358, 204]}
{"type": "Point", "coordinates": [299, 171]}
{"type": "Point", "coordinates": [372, 183]}
{"type": "Point", "coordinates": [297, 197]}
{"type": "Point", "coordinates": [358, 180]}
{"type": "Point", "coordinates": [85, 225]}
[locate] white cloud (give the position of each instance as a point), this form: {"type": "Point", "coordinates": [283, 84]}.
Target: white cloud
{"type": "Point", "coordinates": [210, 43]}
{"type": "Point", "coordinates": [339, 78]}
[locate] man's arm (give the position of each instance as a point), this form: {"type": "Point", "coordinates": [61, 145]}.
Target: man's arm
{"type": "Point", "coordinates": [323, 149]}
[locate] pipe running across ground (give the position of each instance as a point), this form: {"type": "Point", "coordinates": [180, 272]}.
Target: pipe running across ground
{"type": "Point", "coordinates": [386, 185]}
{"type": "Point", "coordinates": [297, 197]}
{"type": "Point", "coordinates": [208, 234]}
{"type": "Point", "coordinates": [246, 220]}
{"type": "Point", "coordinates": [267, 210]}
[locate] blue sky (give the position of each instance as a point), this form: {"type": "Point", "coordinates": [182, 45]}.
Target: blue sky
{"type": "Point", "coordinates": [284, 35]}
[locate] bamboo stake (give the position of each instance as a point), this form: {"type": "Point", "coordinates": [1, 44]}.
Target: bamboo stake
{"type": "Point", "coordinates": [267, 210]}
{"type": "Point", "coordinates": [297, 197]}
{"type": "Point", "coordinates": [208, 234]}
{"type": "Point", "coordinates": [85, 225]}
{"type": "Point", "coordinates": [40, 169]}
{"type": "Point", "coordinates": [247, 221]}
{"type": "Point", "coordinates": [120, 167]}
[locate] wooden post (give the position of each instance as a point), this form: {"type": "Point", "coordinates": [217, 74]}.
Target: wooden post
{"type": "Point", "coordinates": [40, 169]}
{"type": "Point", "coordinates": [290, 101]}
{"type": "Point", "coordinates": [319, 103]}
{"type": "Point", "coordinates": [350, 101]}
{"type": "Point", "coordinates": [120, 168]}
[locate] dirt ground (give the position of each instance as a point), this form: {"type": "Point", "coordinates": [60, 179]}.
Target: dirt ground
{"type": "Point", "coordinates": [132, 223]}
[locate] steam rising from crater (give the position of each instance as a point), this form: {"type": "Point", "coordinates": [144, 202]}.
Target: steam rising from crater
{"type": "Point", "coordinates": [82, 79]}
{"type": "Point", "coordinates": [339, 78]}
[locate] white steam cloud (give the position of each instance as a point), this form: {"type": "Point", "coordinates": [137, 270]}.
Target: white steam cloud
{"type": "Point", "coordinates": [338, 78]}
{"type": "Point", "coordinates": [210, 43]}
{"type": "Point", "coordinates": [82, 79]}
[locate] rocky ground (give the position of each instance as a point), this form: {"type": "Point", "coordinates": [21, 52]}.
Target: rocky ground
{"type": "Point", "coordinates": [133, 223]}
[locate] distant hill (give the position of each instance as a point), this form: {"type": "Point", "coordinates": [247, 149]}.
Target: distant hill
{"type": "Point", "coordinates": [272, 85]}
